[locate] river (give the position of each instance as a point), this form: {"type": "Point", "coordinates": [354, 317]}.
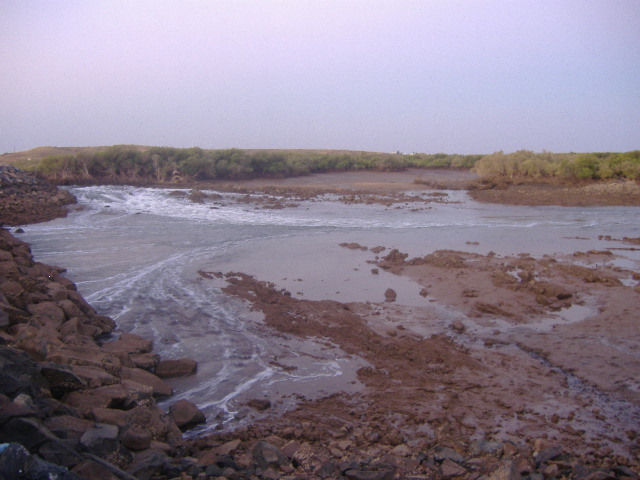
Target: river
{"type": "Point", "coordinates": [136, 253]}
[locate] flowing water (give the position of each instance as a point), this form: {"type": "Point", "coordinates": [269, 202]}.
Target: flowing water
{"type": "Point", "coordinates": [135, 254]}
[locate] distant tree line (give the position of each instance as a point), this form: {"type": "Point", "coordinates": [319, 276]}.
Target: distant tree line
{"type": "Point", "coordinates": [526, 165]}
{"type": "Point", "coordinates": [127, 164]}
{"type": "Point", "coordinates": [143, 165]}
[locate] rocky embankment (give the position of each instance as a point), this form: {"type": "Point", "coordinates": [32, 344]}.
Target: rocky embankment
{"type": "Point", "coordinates": [74, 390]}
{"type": "Point", "coordinates": [77, 397]}
{"type": "Point", "coordinates": [26, 199]}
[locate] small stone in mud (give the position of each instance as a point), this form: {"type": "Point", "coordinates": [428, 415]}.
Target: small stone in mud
{"type": "Point", "coordinates": [259, 404]}
{"type": "Point", "coordinates": [390, 295]}
{"type": "Point", "coordinates": [375, 271]}
{"type": "Point", "coordinates": [457, 326]}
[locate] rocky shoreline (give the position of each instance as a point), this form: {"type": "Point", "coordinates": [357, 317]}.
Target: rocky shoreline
{"type": "Point", "coordinates": [78, 397]}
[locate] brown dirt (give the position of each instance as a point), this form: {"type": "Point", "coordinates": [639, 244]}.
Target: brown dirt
{"type": "Point", "coordinates": [509, 364]}
{"type": "Point", "coordinates": [615, 192]}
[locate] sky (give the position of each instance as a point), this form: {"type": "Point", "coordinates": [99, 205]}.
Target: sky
{"type": "Point", "coordinates": [452, 76]}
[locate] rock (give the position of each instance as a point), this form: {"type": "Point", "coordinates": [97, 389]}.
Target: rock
{"type": "Point", "coordinates": [227, 448]}
{"type": "Point", "coordinates": [47, 313]}
{"type": "Point", "coordinates": [161, 389]}
{"type": "Point", "coordinates": [486, 447]}
{"type": "Point", "coordinates": [101, 440]}
{"type": "Point", "coordinates": [94, 471]}
{"type": "Point", "coordinates": [146, 464]}
{"type": "Point", "coordinates": [450, 469]}
{"type": "Point", "coordinates": [401, 450]}
{"type": "Point", "coordinates": [145, 361]}
{"type": "Point", "coordinates": [457, 326]}
{"type": "Point", "coordinates": [136, 439]}
{"type": "Point", "coordinates": [546, 454]}
{"type": "Point", "coordinates": [9, 410]}
{"type": "Point", "coordinates": [395, 257]}
{"type": "Point", "coordinates": [61, 452]}
{"type": "Point", "coordinates": [390, 295]}
{"type": "Point", "coordinates": [67, 427]}
{"type": "Point", "coordinates": [26, 431]}
{"type": "Point", "coordinates": [185, 414]}
{"type": "Point", "coordinates": [5, 321]}
{"type": "Point", "coordinates": [259, 404]}
{"type": "Point", "coordinates": [441, 453]}
{"type": "Point", "coordinates": [16, 463]}
{"type": "Point", "coordinates": [129, 344]}
{"type": "Point", "coordinates": [181, 367]}
{"type": "Point", "coordinates": [125, 395]}
{"type": "Point", "coordinates": [506, 471]}
{"type": "Point", "coordinates": [354, 474]}
{"type": "Point", "coordinates": [327, 469]}
{"type": "Point", "coordinates": [85, 355]}
{"type": "Point", "coordinates": [19, 374]}
{"type": "Point", "coordinates": [93, 376]}
{"type": "Point", "coordinates": [61, 379]}
{"type": "Point", "coordinates": [112, 416]}
{"type": "Point", "coordinates": [267, 455]}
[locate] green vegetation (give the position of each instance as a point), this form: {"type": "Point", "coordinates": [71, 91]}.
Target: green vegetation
{"type": "Point", "coordinates": [143, 165]}
{"type": "Point", "coordinates": [528, 165]}
{"type": "Point", "coordinates": [138, 165]}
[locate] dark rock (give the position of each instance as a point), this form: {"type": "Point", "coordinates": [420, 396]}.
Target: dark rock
{"type": "Point", "coordinates": [5, 321]}
{"type": "Point", "coordinates": [267, 455]}
{"type": "Point", "coordinates": [68, 427]}
{"type": "Point", "coordinates": [213, 471]}
{"type": "Point", "coordinates": [136, 439]}
{"type": "Point", "coordinates": [441, 453]}
{"type": "Point", "coordinates": [550, 453]}
{"type": "Point", "coordinates": [259, 404]}
{"type": "Point", "coordinates": [61, 452]}
{"type": "Point", "coordinates": [160, 388]}
{"type": "Point", "coordinates": [145, 361]}
{"type": "Point", "coordinates": [90, 469]}
{"type": "Point", "coordinates": [61, 379]}
{"type": "Point", "coordinates": [147, 464]}
{"type": "Point", "coordinates": [16, 463]}
{"type": "Point", "coordinates": [100, 440]}
{"type": "Point", "coordinates": [390, 295]}
{"type": "Point", "coordinates": [129, 344]}
{"type": "Point", "coordinates": [325, 470]}
{"type": "Point", "coordinates": [19, 374]}
{"type": "Point", "coordinates": [506, 471]}
{"type": "Point", "coordinates": [185, 414]}
{"type": "Point", "coordinates": [485, 447]}
{"type": "Point", "coordinates": [27, 431]}
{"type": "Point", "coordinates": [451, 469]}
{"type": "Point", "coordinates": [181, 367]}
{"type": "Point", "coordinates": [354, 474]}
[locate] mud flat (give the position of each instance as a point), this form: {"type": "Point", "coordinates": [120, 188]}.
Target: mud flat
{"type": "Point", "coordinates": [516, 350]}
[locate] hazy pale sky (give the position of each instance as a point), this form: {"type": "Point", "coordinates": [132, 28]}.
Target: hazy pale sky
{"type": "Point", "coordinates": [465, 76]}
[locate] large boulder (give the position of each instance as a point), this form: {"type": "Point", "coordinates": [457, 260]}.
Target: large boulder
{"type": "Point", "coordinates": [61, 379]}
{"type": "Point", "coordinates": [16, 463]}
{"type": "Point", "coordinates": [128, 344]}
{"type": "Point", "coordinates": [19, 374]}
{"type": "Point", "coordinates": [181, 367]}
{"type": "Point", "coordinates": [186, 415]}
{"type": "Point", "coordinates": [100, 439]}
{"type": "Point", "coordinates": [160, 388]}
{"type": "Point", "coordinates": [86, 355]}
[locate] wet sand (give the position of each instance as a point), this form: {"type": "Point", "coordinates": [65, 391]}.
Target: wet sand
{"type": "Point", "coordinates": [534, 351]}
